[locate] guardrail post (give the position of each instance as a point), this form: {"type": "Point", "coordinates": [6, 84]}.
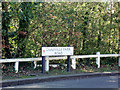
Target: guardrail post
{"type": "Point", "coordinates": [119, 61]}
{"type": "Point", "coordinates": [74, 63]}
{"type": "Point", "coordinates": [98, 59]}
{"type": "Point", "coordinates": [16, 66]}
{"type": "Point", "coordinates": [47, 63]}
{"type": "Point", "coordinates": [35, 64]}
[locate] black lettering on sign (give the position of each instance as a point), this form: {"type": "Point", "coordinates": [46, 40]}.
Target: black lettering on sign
{"type": "Point", "coordinates": [58, 53]}
{"type": "Point", "coordinates": [66, 49]}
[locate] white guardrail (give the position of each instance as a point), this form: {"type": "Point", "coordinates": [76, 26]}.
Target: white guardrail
{"type": "Point", "coordinates": [74, 57]}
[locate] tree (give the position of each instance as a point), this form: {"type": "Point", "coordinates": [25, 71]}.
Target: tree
{"type": "Point", "coordinates": [85, 26]}
{"type": "Point", "coordinates": [5, 27]}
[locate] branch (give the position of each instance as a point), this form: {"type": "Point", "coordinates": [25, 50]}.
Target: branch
{"type": "Point", "coordinates": [27, 35]}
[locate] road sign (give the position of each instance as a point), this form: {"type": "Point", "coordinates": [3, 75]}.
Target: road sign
{"type": "Point", "coordinates": [57, 51]}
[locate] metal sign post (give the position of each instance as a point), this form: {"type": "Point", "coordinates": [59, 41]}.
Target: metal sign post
{"type": "Point", "coordinates": [68, 63]}
{"type": "Point", "coordinates": [43, 63]}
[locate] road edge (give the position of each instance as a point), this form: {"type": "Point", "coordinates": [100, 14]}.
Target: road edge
{"type": "Point", "coordinates": [8, 83]}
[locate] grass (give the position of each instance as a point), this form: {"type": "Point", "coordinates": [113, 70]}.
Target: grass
{"type": "Point", "coordinates": [30, 72]}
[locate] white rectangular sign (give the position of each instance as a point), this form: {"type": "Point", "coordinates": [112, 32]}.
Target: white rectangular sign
{"type": "Point", "coordinates": [56, 51]}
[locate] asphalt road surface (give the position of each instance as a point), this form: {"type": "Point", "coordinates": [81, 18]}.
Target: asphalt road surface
{"type": "Point", "coordinates": [94, 82]}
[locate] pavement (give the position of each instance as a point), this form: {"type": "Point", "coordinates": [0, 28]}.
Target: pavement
{"type": "Point", "coordinates": [94, 82]}
{"type": "Point", "coordinates": [7, 83]}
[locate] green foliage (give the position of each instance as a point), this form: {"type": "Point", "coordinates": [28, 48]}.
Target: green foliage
{"type": "Point", "coordinates": [88, 27]}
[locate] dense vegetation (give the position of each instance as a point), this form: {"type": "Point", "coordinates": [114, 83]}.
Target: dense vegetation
{"type": "Point", "coordinates": [87, 26]}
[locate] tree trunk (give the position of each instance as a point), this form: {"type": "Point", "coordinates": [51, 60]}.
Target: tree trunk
{"type": "Point", "coordinates": [23, 29]}
{"type": "Point", "coordinates": [119, 26]}
{"type": "Point", "coordinates": [5, 28]}
{"type": "Point", "coordinates": [99, 34]}
{"type": "Point", "coordinates": [0, 30]}
{"type": "Point", "coordinates": [84, 29]}
{"type": "Point", "coordinates": [110, 27]}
